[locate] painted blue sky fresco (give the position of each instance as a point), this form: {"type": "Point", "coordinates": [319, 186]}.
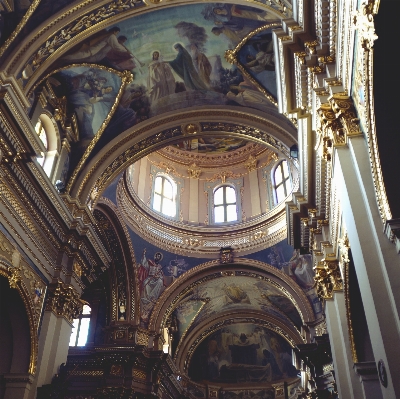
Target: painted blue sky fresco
{"type": "Point", "coordinates": [177, 58]}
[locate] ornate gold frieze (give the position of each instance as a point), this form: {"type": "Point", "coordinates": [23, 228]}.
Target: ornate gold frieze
{"type": "Point", "coordinates": [251, 163]}
{"type": "Point", "coordinates": [181, 238]}
{"type": "Point", "coordinates": [328, 278]}
{"type": "Point", "coordinates": [156, 141]}
{"type": "Point", "coordinates": [63, 300]}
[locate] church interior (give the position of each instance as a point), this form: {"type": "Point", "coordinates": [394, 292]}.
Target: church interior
{"type": "Point", "coordinates": [199, 199]}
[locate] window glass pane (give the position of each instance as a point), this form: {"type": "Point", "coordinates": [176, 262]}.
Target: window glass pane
{"type": "Point", "coordinates": [168, 207]}
{"type": "Point", "coordinates": [158, 184]}
{"type": "Point", "coordinates": [231, 213]}
{"type": "Point", "coordinates": [219, 214]}
{"type": "Point", "coordinates": [75, 325]}
{"type": "Point", "coordinates": [157, 202]}
{"type": "Point", "coordinates": [83, 331]}
{"type": "Point", "coordinates": [285, 169]}
{"type": "Point", "coordinates": [278, 175]}
{"type": "Point", "coordinates": [38, 126]}
{"type": "Point", "coordinates": [167, 189]}
{"type": "Point", "coordinates": [86, 309]}
{"type": "Point", "coordinates": [43, 137]}
{"type": "Point", "coordinates": [218, 196]}
{"type": "Point", "coordinates": [280, 193]}
{"type": "Point", "coordinates": [230, 195]}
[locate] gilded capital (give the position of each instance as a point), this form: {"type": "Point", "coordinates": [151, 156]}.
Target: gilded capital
{"type": "Point", "coordinates": [194, 171]}
{"type": "Point", "coordinates": [328, 278]}
{"type": "Point", "coordinates": [63, 300]}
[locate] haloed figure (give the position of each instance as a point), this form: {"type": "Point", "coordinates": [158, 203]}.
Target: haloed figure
{"type": "Point", "coordinates": [160, 82]}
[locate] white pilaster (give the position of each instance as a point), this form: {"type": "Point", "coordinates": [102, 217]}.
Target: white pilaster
{"type": "Point", "coordinates": [254, 193]}
{"type": "Point", "coordinates": [372, 255]}
{"type": "Point", "coordinates": [336, 321]}
{"type": "Point", "coordinates": [194, 200]}
{"type": "Point", "coordinates": [53, 348]}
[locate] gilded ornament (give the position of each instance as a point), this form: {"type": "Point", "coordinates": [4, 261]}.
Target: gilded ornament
{"type": "Point", "coordinates": [63, 301]}
{"type": "Point", "coordinates": [311, 46]}
{"type": "Point", "coordinates": [194, 171]}
{"type": "Point", "coordinates": [251, 163]}
{"type": "Point", "coordinates": [191, 129]}
{"type": "Point", "coordinates": [328, 278]}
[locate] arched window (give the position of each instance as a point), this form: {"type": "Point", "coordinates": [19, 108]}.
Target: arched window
{"type": "Point", "coordinates": [164, 196]}
{"type": "Point", "coordinates": [80, 328]}
{"type": "Point", "coordinates": [225, 208]}
{"type": "Point", "coordinates": [47, 133]}
{"type": "Point", "coordinates": [282, 183]}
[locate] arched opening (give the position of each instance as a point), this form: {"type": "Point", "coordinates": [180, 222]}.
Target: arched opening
{"type": "Point", "coordinates": [15, 342]}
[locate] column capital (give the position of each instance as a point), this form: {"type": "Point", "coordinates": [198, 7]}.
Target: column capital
{"type": "Point", "coordinates": [328, 278]}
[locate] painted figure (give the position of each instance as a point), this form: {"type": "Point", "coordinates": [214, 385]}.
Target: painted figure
{"type": "Point", "coordinates": [105, 45]}
{"type": "Point", "coordinates": [201, 64]}
{"type": "Point", "coordinates": [161, 81]}
{"type": "Point", "coordinates": [184, 68]}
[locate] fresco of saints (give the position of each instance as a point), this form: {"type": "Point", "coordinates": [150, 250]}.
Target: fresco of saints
{"type": "Point", "coordinates": [300, 268]}
{"type": "Point", "coordinates": [86, 91]}
{"type": "Point", "coordinates": [184, 68]}
{"type": "Point", "coordinates": [201, 63]}
{"type": "Point", "coordinates": [104, 45]}
{"type": "Point", "coordinates": [160, 82]}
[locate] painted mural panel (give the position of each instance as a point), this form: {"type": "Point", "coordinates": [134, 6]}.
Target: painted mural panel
{"type": "Point", "coordinates": [297, 266]}
{"type": "Point", "coordinates": [90, 94]}
{"type": "Point", "coordinates": [157, 269]}
{"type": "Point", "coordinates": [242, 353]}
{"type": "Point", "coordinates": [154, 275]}
{"type": "Point", "coordinates": [257, 57]}
{"type": "Point", "coordinates": [177, 57]}
{"type": "Point", "coordinates": [243, 293]}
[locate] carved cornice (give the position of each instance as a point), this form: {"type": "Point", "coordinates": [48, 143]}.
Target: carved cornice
{"type": "Point", "coordinates": [113, 161]}
{"type": "Point", "coordinates": [63, 300]}
{"type": "Point", "coordinates": [178, 237]}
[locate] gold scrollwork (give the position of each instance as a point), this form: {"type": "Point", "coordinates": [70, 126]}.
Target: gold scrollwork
{"type": "Point", "coordinates": [328, 278]}
{"type": "Point", "coordinates": [194, 171]}
{"type": "Point", "coordinates": [64, 301]}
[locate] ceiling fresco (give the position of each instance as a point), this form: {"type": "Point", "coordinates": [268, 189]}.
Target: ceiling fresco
{"type": "Point", "coordinates": [177, 58]}
{"type": "Point", "coordinates": [242, 353]}
{"type": "Point", "coordinates": [90, 93]}
{"type": "Point", "coordinates": [157, 269]}
{"type": "Point", "coordinates": [211, 144]}
{"type": "Point", "coordinates": [234, 293]}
